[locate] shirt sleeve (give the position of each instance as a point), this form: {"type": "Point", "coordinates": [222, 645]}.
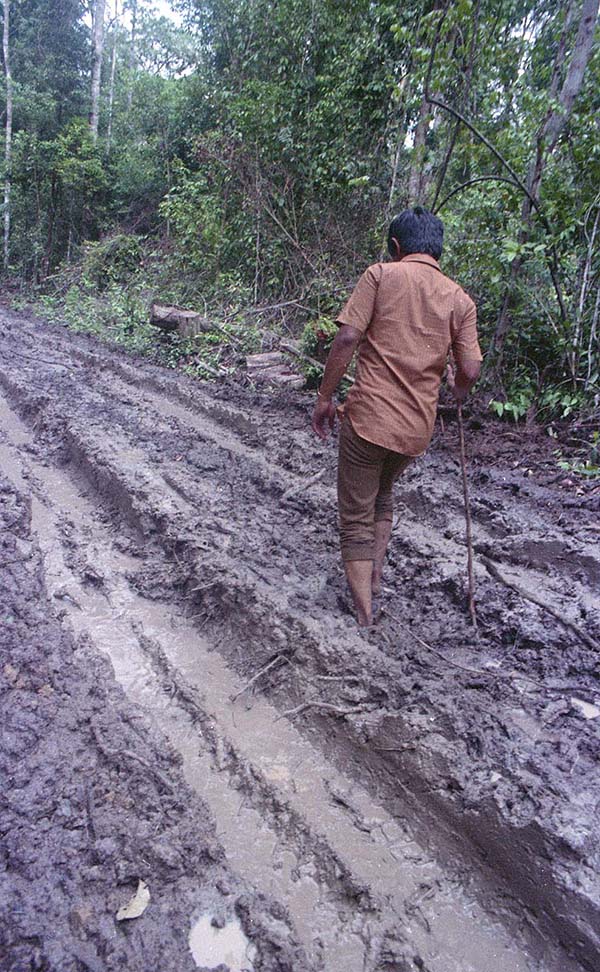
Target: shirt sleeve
{"type": "Point", "coordinates": [465, 344]}
{"type": "Point", "coordinates": [358, 311]}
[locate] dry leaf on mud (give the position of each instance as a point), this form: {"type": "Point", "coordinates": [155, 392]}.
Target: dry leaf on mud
{"type": "Point", "coordinates": [137, 905]}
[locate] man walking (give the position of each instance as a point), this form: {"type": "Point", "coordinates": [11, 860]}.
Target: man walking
{"type": "Point", "coordinates": [406, 316]}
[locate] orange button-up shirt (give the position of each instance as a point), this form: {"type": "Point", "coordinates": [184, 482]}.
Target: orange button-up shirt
{"type": "Point", "coordinates": [410, 315]}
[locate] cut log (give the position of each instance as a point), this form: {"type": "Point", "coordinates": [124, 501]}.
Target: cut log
{"type": "Point", "coordinates": [171, 318]}
{"type": "Point", "coordinates": [273, 366]}
{"type": "Point", "coordinates": [268, 359]}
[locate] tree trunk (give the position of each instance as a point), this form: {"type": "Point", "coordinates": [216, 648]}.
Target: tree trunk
{"type": "Point", "coordinates": [466, 91]}
{"type": "Point", "coordinates": [111, 87]}
{"type": "Point", "coordinates": [586, 278]}
{"type": "Point", "coordinates": [558, 115]}
{"type": "Point", "coordinates": [132, 52]}
{"type": "Point", "coordinates": [97, 45]}
{"type": "Point", "coordinates": [417, 164]}
{"type": "Point", "coordinates": [8, 132]}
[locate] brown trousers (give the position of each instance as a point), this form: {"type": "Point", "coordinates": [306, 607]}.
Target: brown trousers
{"type": "Point", "coordinates": [366, 475]}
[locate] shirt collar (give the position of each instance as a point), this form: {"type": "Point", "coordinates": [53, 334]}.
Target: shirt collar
{"type": "Point", "coordinates": [421, 258]}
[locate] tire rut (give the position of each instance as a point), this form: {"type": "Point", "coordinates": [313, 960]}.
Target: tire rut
{"type": "Point", "coordinates": [253, 611]}
{"type": "Point", "coordinates": [349, 893]}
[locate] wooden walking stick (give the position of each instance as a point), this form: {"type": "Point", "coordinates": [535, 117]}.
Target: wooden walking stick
{"type": "Point", "coordinates": [463, 466]}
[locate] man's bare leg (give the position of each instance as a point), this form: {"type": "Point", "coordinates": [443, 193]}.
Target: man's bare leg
{"type": "Point", "coordinates": [383, 532]}
{"type": "Point", "coordinates": [358, 574]}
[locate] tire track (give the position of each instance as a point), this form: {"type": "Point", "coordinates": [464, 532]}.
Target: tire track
{"type": "Point", "coordinates": [247, 599]}
{"type": "Point", "coordinates": [350, 889]}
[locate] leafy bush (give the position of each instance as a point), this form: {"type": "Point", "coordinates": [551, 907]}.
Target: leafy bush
{"type": "Point", "coordinates": [315, 341]}
{"type": "Point", "coordinates": [110, 260]}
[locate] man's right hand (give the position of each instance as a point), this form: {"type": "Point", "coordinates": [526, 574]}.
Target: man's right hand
{"type": "Point", "coordinates": [459, 393]}
{"type": "Point", "coordinates": [461, 380]}
{"type": "Point", "coordinates": [323, 418]}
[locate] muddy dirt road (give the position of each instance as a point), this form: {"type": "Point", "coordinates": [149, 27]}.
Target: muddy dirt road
{"type": "Point", "coordinates": [422, 797]}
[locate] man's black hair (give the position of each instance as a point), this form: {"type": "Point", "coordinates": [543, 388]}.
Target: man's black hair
{"type": "Point", "coordinates": [417, 231]}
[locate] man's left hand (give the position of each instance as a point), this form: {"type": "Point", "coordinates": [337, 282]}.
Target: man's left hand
{"type": "Point", "coordinates": [323, 418]}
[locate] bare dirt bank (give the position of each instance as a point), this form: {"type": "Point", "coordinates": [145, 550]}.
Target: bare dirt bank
{"type": "Point", "coordinates": [424, 797]}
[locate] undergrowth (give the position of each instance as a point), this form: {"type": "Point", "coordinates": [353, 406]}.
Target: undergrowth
{"type": "Point", "coordinates": [108, 294]}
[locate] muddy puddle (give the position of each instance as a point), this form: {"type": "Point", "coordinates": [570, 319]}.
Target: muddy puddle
{"type": "Point", "coordinates": [212, 945]}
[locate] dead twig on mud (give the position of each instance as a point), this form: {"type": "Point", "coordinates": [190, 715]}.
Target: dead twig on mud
{"type": "Point", "coordinates": [394, 749]}
{"type": "Point", "coordinates": [316, 704]}
{"type": "Point", "coordinates": [294, 490]}
{"type": "Point", "coordinates": [339, 678]}
{"type": "Point", "coordinates": [495, 573]}
{"type": "Point", "coordinates": [47, 361]}
{"type": "Point", "coordinates": [486, 673]}
{"type": "Point", "coordinates": [263, 671]}
{"type": "Point", "coordinates": [119, 753]}
{"type": "Point", "coordinates": [204, 587]}
{"type": "Point", "coordinates": [469, 530]}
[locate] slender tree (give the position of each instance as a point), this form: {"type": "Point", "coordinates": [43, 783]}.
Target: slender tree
{"type": "Point", "coordinates": [111, 87]}
{"type": "Point", "coordinates": [8, 131]}
{"type": "Point", "coordinates": [132, 57]}
{"type": "Point", "coordinates": [97, 47]}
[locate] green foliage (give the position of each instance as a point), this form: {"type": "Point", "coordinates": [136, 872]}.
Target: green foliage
{"type": "Point", "coordinates": [516, 408]}
{"type": "Point", "coordinates": [195, 216]}
{"type": "Point", "coordinates": [587, 468]}
{"type": "Point", "coordinates": [315, 342]}
{"type": "Point", "coordinates": [588, 465]}
{"type": "Point", "coordinates": [213, 353]}
{"type": "Point", "coordinates": [120, 315]}
{"type": "Point", "coordinates": [545, 404]}
{"type": "Point", "coordinates": [255, 154]}
{"type": "Point", "coordinates": [111, 260]}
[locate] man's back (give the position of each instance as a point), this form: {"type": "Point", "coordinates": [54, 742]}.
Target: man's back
{"type": "Point", "coordinates": [410, 314]}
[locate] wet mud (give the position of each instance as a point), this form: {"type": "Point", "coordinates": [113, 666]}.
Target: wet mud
{"type": "Point", "coordinates": [421, 796]}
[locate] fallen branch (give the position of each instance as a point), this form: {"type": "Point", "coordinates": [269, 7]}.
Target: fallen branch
{"type": "Point", "coordinates": [259, 674]}
{"type": "Point", "coordinates": [213, 372]}
{"type": "Point", "coordinates": [204, 587]}
{"type": "Point", "coordinates": [300, 487]}
{"type": "Point", "coordinates": [266, 308]}
{"type": "Point", "coordinates": [339, 678]}
{"type": "Point", "coordinates": [495, 573]}
{"type": "Point", "coordinates": [47, 361]}
{"type": "Point", "coordinates": [315, 704]}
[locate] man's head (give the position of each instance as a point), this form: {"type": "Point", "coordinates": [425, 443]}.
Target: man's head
{"type": "Point", "coordinates": [415, 231]}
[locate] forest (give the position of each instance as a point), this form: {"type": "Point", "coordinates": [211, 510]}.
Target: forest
{"type": "Point", "coordinates": [243, 158]}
